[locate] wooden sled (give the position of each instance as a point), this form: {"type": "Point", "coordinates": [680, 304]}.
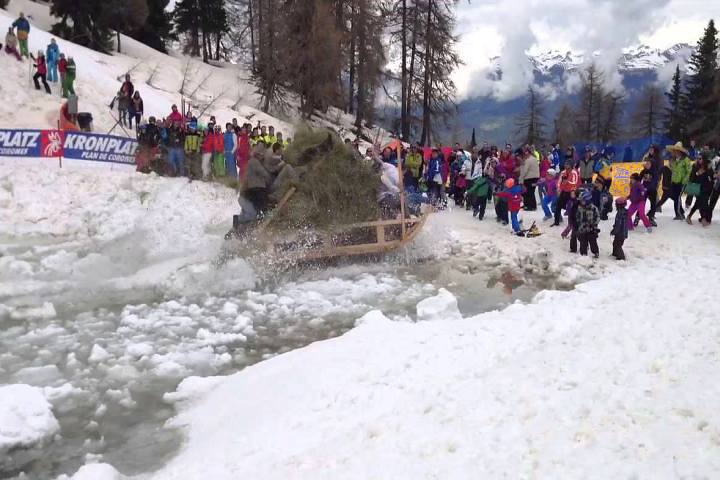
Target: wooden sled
{"type": "Point", "coordinates": [359, 239]}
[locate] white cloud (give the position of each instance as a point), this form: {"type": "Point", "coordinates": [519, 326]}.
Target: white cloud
{"type": "Point", "coordinates": [511, 28]}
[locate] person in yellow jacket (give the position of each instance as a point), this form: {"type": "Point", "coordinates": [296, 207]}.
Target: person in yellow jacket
{"type": "Point", "coordinates": [193, 153]}
{"type": "Point", "coordinates": [282, 141]}
{"type": "Point", "coordinates": [270, 138]}
{"type": "Point", "coordinates": [414, 165]}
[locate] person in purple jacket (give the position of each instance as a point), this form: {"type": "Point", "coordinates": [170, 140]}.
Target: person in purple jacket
{"type": "Point", "coordinates": [638, 197]}
{"type": "Point", "coordinates": [550, 184]}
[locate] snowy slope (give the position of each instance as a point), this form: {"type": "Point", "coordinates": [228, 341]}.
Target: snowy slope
{"type": "Point", "coordinates": [98, 75]}
{"type": "Point", "coordinates": [612, 380]}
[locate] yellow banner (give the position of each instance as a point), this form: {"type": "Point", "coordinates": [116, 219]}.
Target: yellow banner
{"type": "Point", "coordinates": [621, 173]}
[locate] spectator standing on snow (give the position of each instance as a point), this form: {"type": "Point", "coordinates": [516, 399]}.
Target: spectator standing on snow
{"type": "Point", "coordinates": [136, 108]}
{"type": "Point", "coordinates": [513, 194]}
{"type": "Point", "coordinates": [587, 218]}
{"type": "Point", "coordinates": [52, 54]}
{"type": "Point", "coordinates": [229, 148]}
{"type": "Point", "coordinates": [714, 195]}
{"type": "Point", "coordinates": [62, 68]}
{"type": "Point", "coordinates": [242, 154]}
{"type": "Point", "coordinates": [207, 151]}
{"type": "Point", "coordinates": [571, 205]}
{"type": "Point", "coordinates": [127, 88]}
{"type": "Point", "coordinates": [619, 231]}
{"type": "Point", "coordinates": [650, 180]}
{"type": "Point", "coordinates": [11, 42]}
{"type": "Point", "coordinates": [569, 181]}
{"type": "Point", "coordinates": [680, 167]}
{"type": "Point", "coordinates": [587, 166]}
{"type": "Point", "coordinates": [175, 116]}
{"type": "Point", "coordinates": [703, 177]}
{"type": "Point", "coordinates": [638, 197]}
{"type": "Point", "coordinates": [23, 32]}
{"type": "Point", "coordinates": [218, 152]}
{"type": "Point", "coordinates": [123, 108]}
{"type": "Point", "coordinates": [69, 81]}
{"type": "Point", "coordinates": [550, 185]}
{"type": "Point", "coordinates": [193, 146]}
{"type": "Point", "coordinates": [176, 154]}
{"type": "Point", "coordinates": [529, 176]}
{"type": "Point", "coordinates": [41, 72]}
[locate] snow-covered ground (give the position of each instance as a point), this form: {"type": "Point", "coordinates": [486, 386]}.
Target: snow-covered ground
{"type": "Point", "coordinates": [112, 292]}
{"type": "Point", "coordinates": [158, 78]}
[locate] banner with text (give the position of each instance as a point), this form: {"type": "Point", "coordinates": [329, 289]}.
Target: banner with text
{"type": "Point", "coordinates": [72, 145]}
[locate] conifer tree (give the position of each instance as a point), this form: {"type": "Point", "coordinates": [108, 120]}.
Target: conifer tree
{"type": "Point", "coordinates": [84, 22]}
{"type": "Point", "coordinates": [531, 123]}
{"type": "Point", "coordinates": [699, 113]}
{"type": "Point", "coordinates": [673, 118]}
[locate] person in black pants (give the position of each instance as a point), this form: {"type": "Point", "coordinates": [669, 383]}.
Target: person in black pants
{"type": "Point", "coordinates": [569, 181]}
{"type": "Point", "coordinates": [41, 73]}
{"type": "Point", "coordinates": [620, 229]}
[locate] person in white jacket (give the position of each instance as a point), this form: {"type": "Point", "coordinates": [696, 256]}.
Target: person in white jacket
{"type": "Point", "coordinates": [529, 176]}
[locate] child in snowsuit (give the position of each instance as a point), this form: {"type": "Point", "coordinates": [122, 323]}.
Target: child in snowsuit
{"type": "Point", "coordinates": [571, 208]}
{"type": "Point", "coordinates": [620, 229]}
{"type": "Point", "coordinates": [513, 194]}
{"type": "Point", "coordinates": [638, 196]}
{"type": "Point", "coordinates": [62, 68]}
{"type": "Point", "coordinates": [587, 218]}
{"type": "Point", "coordinates": [549, 186]}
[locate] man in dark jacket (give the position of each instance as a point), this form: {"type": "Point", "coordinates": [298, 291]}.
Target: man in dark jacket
{"type": "Point", "coordinates": [620, 229]}
{"type": "Point", "coordinates": [176, 152]}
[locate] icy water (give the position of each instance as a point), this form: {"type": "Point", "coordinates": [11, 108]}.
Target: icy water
{"type": "Point", "coordinates": [107, 352]}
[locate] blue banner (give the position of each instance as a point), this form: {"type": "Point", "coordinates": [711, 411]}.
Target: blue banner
{"type": "Point", "coordinates": [69, 144]}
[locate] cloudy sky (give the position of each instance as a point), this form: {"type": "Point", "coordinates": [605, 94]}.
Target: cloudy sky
{"type": "Point", "coordinates": [509, 28]}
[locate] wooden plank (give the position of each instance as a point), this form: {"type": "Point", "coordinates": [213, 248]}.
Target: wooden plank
{"type": "Point", "coordinates": [376, 223]}
{"type": "Point", "coordinates": [380, 234]}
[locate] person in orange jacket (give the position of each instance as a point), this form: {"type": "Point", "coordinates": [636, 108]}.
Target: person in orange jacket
{"type": "Point", "coordinates": [568, 182]}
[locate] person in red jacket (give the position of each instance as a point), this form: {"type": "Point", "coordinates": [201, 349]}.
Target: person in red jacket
{"type": "Point", "coordinates": [41, 73]}
{"type": "Point", "coordinates": [62, 67]}
{"type": "Point", "coordinates": [242, 154]}
{"type": "Point", "coordinates": [219, 152]}
{"type": "Point", "coordinates": [176, 116]}
{"type": "Point", "coordinates": [568, 182]}
{"type": "Point", "coordinates": [207, 151]}
{"type": "Point", "coordinates": [514, 195]}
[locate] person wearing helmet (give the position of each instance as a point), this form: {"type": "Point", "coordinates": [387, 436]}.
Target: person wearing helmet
{"type": "Point", "coordinates": [619, 231]}
{"type": "Point", "coordinates": [549, 186]}
{"type": "Point", "coordinates": [513, 193]}
{"type": "Point", "coordinates": [587, 219]}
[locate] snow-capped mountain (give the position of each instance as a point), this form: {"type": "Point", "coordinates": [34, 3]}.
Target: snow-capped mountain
{"type": "Point", "coordinates": [638, 66]}
{"type": "Point", "coordinates": [639, 58]}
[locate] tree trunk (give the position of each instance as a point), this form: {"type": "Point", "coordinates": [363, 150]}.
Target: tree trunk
{"type": "Point", "coordinates": [425, 137]}
{"type": "Point", "coordinates": [252, 34]}
{"type": "Point", "coordinates": [411, 72]}
{"type": "Point", "coordinates": [118, 41]}
{"type": "Point", "coordinates": [403, 78]}
{"type": "Point", "coordinates": [217, 47]}
{"type": "Point", "coordinates": [362, 69]}
{"type": "Point", "coordinates": [351, 56]}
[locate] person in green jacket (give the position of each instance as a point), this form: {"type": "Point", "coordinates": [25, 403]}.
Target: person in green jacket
{"type": "Point", "coordinates": [69, 80]}
{"type": "Point", "coordinates": [479, 192]}
{"type": "Point", "coordinates": [680, 166]}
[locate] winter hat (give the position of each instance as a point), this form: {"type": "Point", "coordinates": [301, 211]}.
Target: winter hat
{"type": "Point", "coordinates": [551, 172]}
{"type": "Point", "coordinates": [585, 196]}
{"type": "Point", "coordinates": [621, 201]}
{"type": "Point", "coordinates": [509, 183]}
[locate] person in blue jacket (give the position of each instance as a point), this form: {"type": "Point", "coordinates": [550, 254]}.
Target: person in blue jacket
{"type": "Point", "coordinates": [230, 146]}
{"type": "Point", "coordinates": [434, 176]}
{"type": "Point", "coordinates": [52, 55]}
{"type": "Point", "coordinates": [23, 32]}
{"type": "Point", "coordinates": [556, 156]}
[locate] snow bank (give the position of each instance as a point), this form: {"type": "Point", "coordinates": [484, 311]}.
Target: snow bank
{"type": "Point", "coordinates": [612, 380]}
{"type": "Point", "coordinates": [95, 471]}
{"type": "Point", "coordinates": [26, 425]}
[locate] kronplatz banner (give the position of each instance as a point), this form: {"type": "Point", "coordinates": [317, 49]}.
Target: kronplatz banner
{"type": "Point", "coordinates": [67, 144]}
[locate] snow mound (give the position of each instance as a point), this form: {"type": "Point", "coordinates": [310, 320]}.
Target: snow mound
{"type": "Point", "coordinates": [95, 471]}
{"type": "Point", "coordinates": [442, 306]}
{"type": "Point", "coordinates": [26, 425]}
